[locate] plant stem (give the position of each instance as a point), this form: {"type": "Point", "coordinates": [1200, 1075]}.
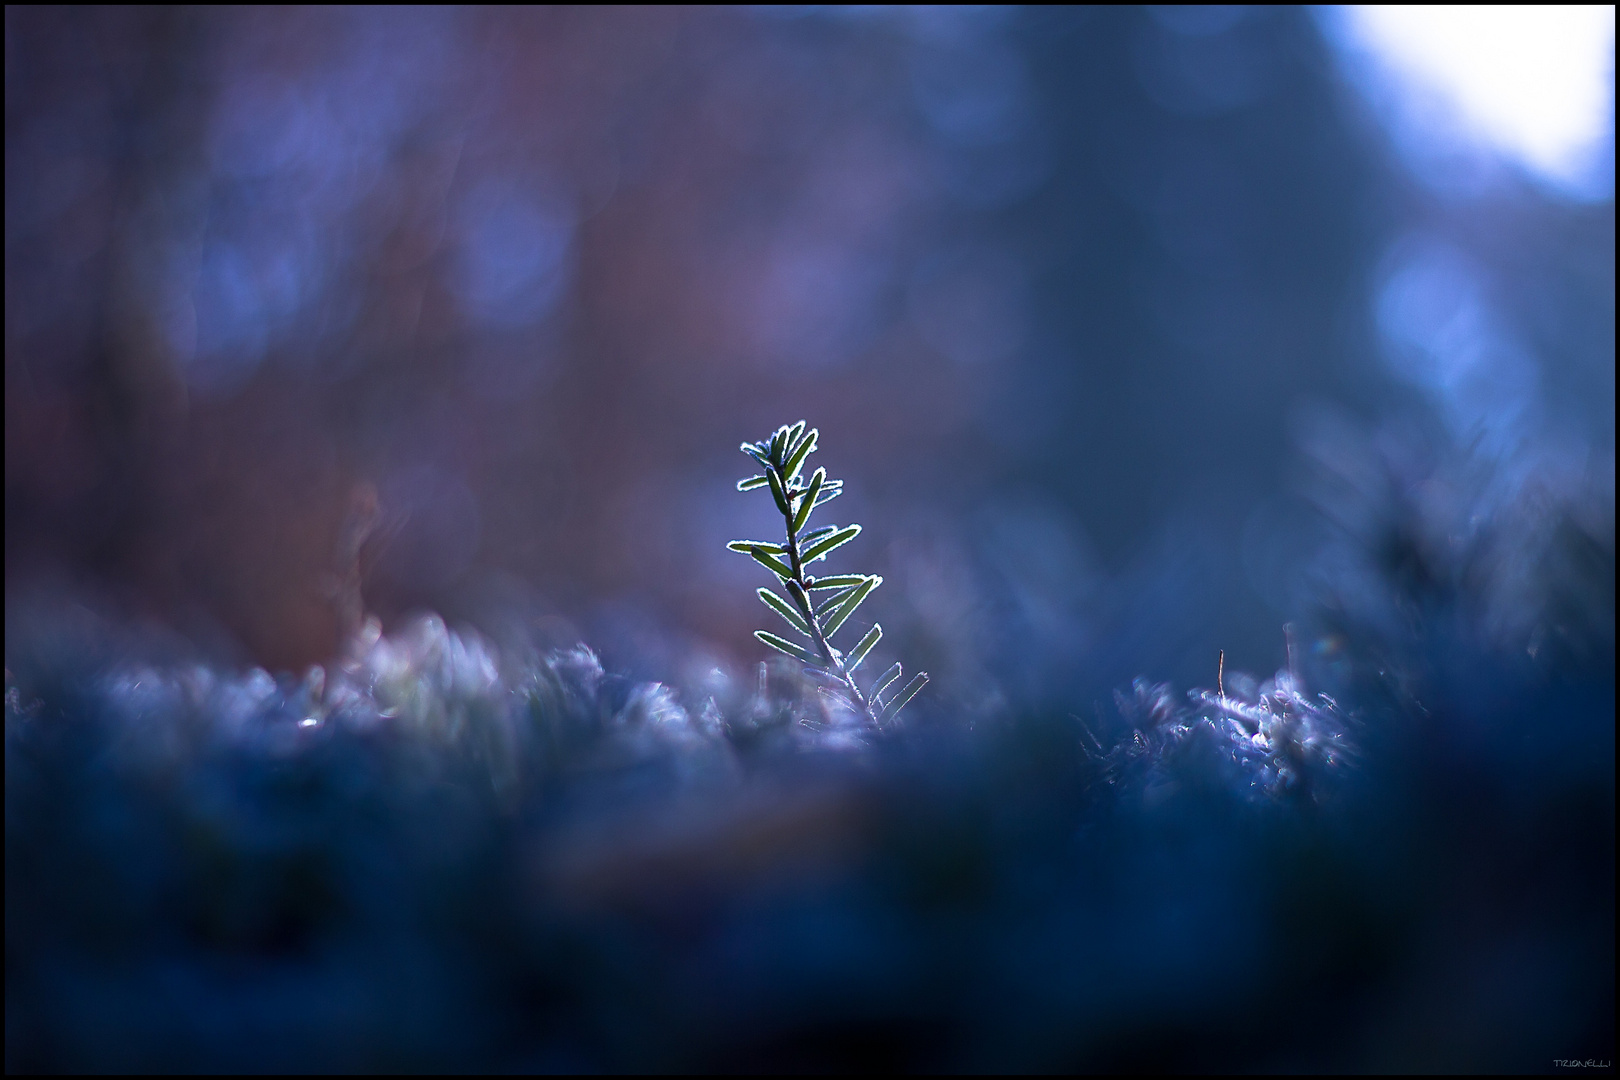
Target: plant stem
{"type": "Point", "coordinates": [834, 663]}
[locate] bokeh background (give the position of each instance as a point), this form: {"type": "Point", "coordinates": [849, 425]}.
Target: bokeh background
{"type": "Point", "coordinates": [1079, 299]}
{"type": "Point", "coordinates": [1137, 334]}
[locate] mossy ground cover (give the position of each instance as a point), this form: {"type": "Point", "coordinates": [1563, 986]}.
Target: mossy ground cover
{"type": "Point", "coordinates": [442, 854]}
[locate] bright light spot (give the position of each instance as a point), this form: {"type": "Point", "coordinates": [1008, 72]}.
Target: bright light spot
{"type": "Point", "coordinates": [308, 721]}
{"type": "Point", "coordinates": [1534, 83]}
{"type": "Point", "coordinates": [1440, 333]}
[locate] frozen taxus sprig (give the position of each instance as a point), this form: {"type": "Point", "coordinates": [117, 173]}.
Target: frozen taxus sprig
{"type": "Point", "coordinates": [782, 456]}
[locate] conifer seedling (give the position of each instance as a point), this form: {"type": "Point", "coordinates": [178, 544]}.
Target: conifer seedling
{"type": "Point", "coordinates": [782, 457]}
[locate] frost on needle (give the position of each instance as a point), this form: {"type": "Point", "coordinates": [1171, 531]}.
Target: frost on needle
{"type": "Point", "coordinates": [815, 608]}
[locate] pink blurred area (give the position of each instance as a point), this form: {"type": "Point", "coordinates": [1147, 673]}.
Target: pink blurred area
{"type": "Point", "coordinates": [531, 275]}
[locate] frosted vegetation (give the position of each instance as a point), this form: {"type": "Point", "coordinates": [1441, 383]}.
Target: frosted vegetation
{"type": "Point", "coordinates": [243, 870]}
{"type": "Point", "coordinates": [454, 706]}
{"type": "Point", "coordinates": [783, 457]}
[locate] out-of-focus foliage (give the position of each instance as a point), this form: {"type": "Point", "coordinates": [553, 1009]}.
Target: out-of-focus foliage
{"type": "Point", "coordinates": [444, 855]}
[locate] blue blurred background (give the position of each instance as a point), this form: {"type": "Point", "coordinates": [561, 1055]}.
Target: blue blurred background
{"type": "Point", "coordinates": [1136, 333]}
{"type": "Point", "coordinates": [1082, 300]}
